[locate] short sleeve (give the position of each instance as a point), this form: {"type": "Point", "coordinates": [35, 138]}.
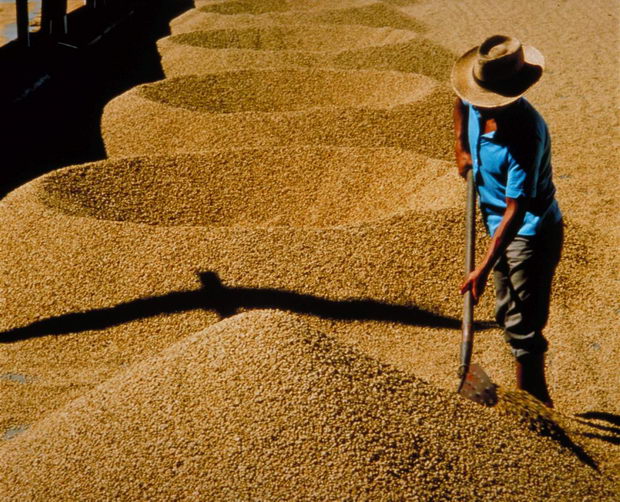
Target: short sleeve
{"type": "Point", "coordinates": [518, 183]}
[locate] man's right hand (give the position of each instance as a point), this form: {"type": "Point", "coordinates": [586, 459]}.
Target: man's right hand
{"type": "Point", "coordinates": [463, 159]}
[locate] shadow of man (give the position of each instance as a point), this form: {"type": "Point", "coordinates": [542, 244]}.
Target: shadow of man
{"type": "Point", "coordinates": [227, 301]}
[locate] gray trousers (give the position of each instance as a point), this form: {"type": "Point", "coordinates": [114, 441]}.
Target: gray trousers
{"type": "Point", "coordinates": [523, 277]}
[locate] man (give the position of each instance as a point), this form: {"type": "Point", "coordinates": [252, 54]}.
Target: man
{"type": "Point", "coordinates": [506, 142]}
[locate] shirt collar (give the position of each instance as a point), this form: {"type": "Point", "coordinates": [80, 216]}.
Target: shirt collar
{"type": "Point", "coordinates": [491, 135]}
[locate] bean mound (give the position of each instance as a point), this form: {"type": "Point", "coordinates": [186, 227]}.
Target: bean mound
{"type": "Point", "coordinates": [281, 107]}
{"type": "Point", "coordinates": [291, 38]}
{"type": "Point", "coordinates": [277, 91]}
{"type": "Point", "coordinates": [325, 186]}
{"type": "Point", "coordinates": [261, 406]}
{"type": "Point", "coordinates": [246, 6]}
{"type": "Point", "coordinates": [375, 14]}
{"type": "Point", "coordinates": [328, 46]}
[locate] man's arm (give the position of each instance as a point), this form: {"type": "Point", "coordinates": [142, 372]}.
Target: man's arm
{"type": "Point", "coordinates": [461, 143]}
{"type": "Point", "coordinates": [505, 233]}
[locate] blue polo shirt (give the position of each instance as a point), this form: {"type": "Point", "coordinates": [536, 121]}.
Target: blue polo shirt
{"type": "Point", "coordinates": [514, 161]}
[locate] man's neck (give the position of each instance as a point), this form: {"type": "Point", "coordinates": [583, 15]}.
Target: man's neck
{"type": "Point", "coordinates": [489, 125]}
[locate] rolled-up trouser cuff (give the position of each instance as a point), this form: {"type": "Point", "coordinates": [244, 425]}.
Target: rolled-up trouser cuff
{"type": "Point", "coordinates": [522, 345]}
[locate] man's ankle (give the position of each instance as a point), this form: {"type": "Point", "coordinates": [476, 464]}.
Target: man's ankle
{"type": "Point", "coordinates": [530, 375]}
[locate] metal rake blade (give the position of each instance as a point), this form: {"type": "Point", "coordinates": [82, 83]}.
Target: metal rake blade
{"type": "Point", "coordinates": [477, 386]}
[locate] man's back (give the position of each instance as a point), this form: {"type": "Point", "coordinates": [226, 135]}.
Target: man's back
{"type": "Point", "coordinates": [513, 161]}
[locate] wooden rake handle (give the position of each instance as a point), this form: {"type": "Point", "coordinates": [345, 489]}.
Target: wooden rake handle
{"type": "Point", "coordinates": [467, 342]}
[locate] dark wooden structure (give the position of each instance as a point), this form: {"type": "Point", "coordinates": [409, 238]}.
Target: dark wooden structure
{"type": "Point", "coordinates": [54, 17]}
{"type": "Point", "coordinates": [57, 80]}
{"type": "Point", "coordinates": [23, 30]}
{"type": "Point", "coordinates": [55, 20]}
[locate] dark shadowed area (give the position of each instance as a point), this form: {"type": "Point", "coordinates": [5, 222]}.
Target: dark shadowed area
{"type": "Point", "coordinates": [52, 94]}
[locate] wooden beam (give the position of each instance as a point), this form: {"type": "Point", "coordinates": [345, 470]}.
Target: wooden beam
{"type": "Point", "coordinates": [53, 16]}
{"type": "Point", "coordinates": [23, 21]}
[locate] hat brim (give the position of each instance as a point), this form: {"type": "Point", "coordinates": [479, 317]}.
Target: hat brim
{"type": "Point", "coordinates": [468, 89]}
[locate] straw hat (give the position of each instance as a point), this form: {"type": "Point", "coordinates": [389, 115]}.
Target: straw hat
{"type": "Point", "coordinates": [497, 72]}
